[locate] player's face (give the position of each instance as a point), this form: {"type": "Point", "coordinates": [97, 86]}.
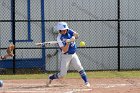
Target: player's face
{"type": "Point", "coordinates": [63, 32]}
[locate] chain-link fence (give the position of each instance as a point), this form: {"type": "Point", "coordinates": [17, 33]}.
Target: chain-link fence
{"type": "Point", "coordinates": [110, 29]}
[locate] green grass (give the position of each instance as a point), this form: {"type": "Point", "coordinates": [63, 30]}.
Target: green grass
{"type": "Point", "coordinates": [93, 74]}
{"type": "Point", "coordinates": [24, 76]}
{"type": "Point", "coordinates": [108, 74]}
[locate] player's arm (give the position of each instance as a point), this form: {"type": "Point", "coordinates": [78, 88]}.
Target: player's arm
{"type": "Point", "coordinates": [74, 36]}
{"type": "Point", "coordinates": [65, 48]}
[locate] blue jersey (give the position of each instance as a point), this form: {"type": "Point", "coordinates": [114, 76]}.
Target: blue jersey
{"type": "Point", "coordinates": [68, 35]}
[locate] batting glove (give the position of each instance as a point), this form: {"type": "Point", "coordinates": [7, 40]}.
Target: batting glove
{"type": "Point", "coordinates": [68, 40]}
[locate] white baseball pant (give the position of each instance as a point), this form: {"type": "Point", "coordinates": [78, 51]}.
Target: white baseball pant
{"type": "Point", "coordinates": [66, 60]}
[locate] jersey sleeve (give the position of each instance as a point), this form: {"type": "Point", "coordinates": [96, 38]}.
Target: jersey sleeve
{"type": "Point", "coordinates": [60, 43]}
{"type": "Point", "coordinates": [71, 32]}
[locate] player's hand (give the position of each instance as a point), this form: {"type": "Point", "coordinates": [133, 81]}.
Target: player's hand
{"type": "Point", "coordinates": [68, 41]}
{"type": "Point", "coordinates": [76, 35]}
{"type": "Point", "coordinates": [72, 39]}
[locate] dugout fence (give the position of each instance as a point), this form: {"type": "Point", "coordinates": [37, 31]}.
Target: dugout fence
{"type": "Point", "coordinates": [110, 29]}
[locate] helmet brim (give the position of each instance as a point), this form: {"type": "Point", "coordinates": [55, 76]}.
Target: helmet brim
{"type": "Point", "coordinates": [63, 29]}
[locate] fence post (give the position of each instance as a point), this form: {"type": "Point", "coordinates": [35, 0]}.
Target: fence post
{"type": "Point", "coordinates": [43, 32]}
{"type": "Point", "coordinates": [13, 31]}
{"type": "Point", "coordinates": [118, 35]}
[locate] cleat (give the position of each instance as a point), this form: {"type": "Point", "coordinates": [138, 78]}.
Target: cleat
{"type": "Point", "coordinates": [87, 84]}
{"type": "Point", "coordinates": [49, 82]}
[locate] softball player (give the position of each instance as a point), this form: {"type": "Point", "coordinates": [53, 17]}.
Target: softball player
{"type": "Point", "coordinates": [69, 56]}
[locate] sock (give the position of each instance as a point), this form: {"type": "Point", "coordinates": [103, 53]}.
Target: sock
{"type": "Point", "coordinates": [83, 75]}
{"type": "Point", "coordinates": [54, 76]}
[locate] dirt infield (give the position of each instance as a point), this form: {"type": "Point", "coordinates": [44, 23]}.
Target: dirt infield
{"type": "Point", "coordinates": [127, 85]}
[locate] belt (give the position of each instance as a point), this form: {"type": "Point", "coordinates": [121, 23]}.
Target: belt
{"type": "Point", "coordinates": [68, 53]}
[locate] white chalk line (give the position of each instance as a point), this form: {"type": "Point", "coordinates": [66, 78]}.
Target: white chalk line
{"type": "Point", "coordinates": [73, 91]}
{"type": "Point", "coordinates": [114, 85]}
{"type": "Point", "coordinates": [24, 91]}
{"type": "Point", "coordinates": [78, 90]}
{"type": "Point", "coordinates": [44, 91]}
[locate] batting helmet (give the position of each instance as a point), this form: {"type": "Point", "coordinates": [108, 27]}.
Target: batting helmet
{"type": "Point", "coordinates": [61, 26]}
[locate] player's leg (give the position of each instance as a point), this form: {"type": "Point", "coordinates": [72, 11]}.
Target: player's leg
{"type": "Point", "coordinates": [63, 67]}
{"type": "Point", "coordinates": [63, 71]}
{"type": "Point", "coordinates": [77, 65]}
